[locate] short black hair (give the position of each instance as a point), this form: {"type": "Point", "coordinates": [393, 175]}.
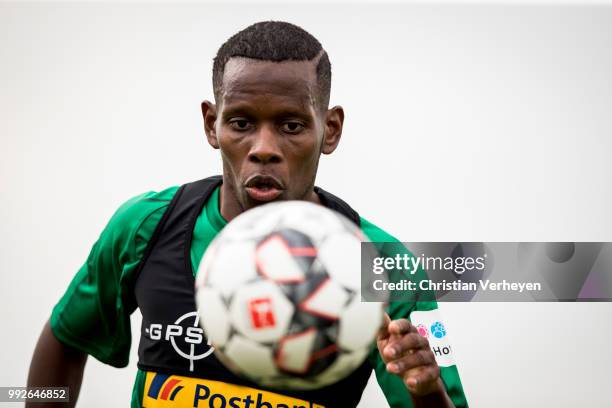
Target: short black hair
{"type": "Point", "coordinates": [275, 41]}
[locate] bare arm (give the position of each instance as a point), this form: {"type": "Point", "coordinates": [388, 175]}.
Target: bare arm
{"type": "Point", "coordinates": [56, 364]}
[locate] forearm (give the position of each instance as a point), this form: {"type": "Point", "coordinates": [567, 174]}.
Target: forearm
{"type": "Point", "coordinates": [56, 364]}
{"type": "Point", "coordinates": [436, 399]}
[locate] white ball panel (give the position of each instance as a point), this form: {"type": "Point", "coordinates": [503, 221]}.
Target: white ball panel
{"type": "Point", "coordinates": [311, 219]}
{"type": "Point", "coordinates": [344, 365]}
{"type": "Point", "coordinates": [214, 315]}
{"type": "Point", "coordinates": [295, 351]}
{"type": "Point", "coordinates": [275, 262]}
{"type": "Point", "coordinates": [340, 253]}
{"type": "Point", "coordinates": [359, 324]}
{"type": "Point", "coordinates": [232, 266]}
{"type": "Point", "coordinates": [327, 300]}
{"type": "Point", "coordinates": [252, 358]}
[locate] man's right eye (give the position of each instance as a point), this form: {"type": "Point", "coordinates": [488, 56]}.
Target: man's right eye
{"type": "Point", "coordinates": [240, 124]}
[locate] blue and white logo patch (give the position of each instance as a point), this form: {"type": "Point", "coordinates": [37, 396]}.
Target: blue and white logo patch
{"type": "Point", "coordinates": [437, 336]}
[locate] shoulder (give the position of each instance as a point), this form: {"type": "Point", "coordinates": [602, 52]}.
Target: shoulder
{"type": "Point", "coordinates": [142, 211]}
{"type": "Point", "coordinates": [145, 203]}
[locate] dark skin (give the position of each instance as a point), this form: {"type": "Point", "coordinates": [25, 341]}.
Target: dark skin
{"type": "Point", "coordinates": [271, 129]}
{"type": "Point", "coordinates": [56, 364]}
{"type": "Point", "coordinates": [408, 355]}
{"type": "Point", "coordinates": [267, 123]}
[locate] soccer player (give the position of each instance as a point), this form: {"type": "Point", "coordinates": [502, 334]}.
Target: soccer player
{"type": "Point", "coordinates": [271, 122]}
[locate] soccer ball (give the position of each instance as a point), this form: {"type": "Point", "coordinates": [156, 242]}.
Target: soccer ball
{"type": "Point", "coordinates": [278, 295]}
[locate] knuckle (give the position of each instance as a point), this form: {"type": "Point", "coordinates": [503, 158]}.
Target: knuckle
{"type": "Point", "coordinates": [406, 342]}
{"type": "Point", "coordinates": [426, 376]}
{"type": "Point", "coordinates": [415, 340]}
{"type": "Point", "coordinates": [404, 325]}
{"type": "Point", "coordinates": [434, 372]}
{"type": "Point", "coordinates": [423, 357]}
{"type": "Point", "coordinates": [424, 342]}
{"type": "Point", "coordinates": [430, 357]}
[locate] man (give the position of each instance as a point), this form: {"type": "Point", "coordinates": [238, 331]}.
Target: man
{"type": "Point", "coordinates": [270, 122]}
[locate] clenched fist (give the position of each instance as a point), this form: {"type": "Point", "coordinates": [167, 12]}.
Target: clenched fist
{"type": "Point", "coordinates": [408, 355]}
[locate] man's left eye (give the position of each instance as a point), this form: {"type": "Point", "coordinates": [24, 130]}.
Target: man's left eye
{"type": "Point", "coordinates": [292, 127]}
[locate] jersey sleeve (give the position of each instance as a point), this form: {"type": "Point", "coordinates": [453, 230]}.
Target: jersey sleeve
{"type": "Point", "coordinates": [424, 313]}
{"type": "Point", "coordinates": [93, 315]}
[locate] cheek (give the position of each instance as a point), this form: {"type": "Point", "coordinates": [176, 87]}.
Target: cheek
{"type": "Point", "coordinates": [305, 158]}
{"type": "Point", "coordinates": [232, 150]}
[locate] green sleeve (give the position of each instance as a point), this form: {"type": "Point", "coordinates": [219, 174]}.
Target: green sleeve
{"type": "Point", "coordinates": [395, 391]}
{"type": "Point", "coordinates": [93, 315]}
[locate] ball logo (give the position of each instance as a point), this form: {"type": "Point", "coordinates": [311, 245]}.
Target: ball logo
{"type": "Point", "coordinates": [262, 314]}
{"type": "Point", "coordinates": [438, 330]}
{"type": "Point", "coordinates": [185, 335]}
{"type": "Point", "coordinates": [422, 330]}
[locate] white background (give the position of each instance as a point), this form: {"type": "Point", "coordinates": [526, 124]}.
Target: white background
{"type": "Point", "coordinates": [463, 122]}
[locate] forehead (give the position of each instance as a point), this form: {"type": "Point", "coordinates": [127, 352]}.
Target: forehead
{"type": "Point", "coordinates": [290, 82]}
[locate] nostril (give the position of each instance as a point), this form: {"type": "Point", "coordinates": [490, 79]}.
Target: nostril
{"type": "Point", "coordinates": [254, 159]}
{"type": "Point", "coordinates": [260, 158]}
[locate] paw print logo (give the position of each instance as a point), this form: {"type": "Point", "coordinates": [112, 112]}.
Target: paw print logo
{"type": "Point", "coordinates": [438, 330]}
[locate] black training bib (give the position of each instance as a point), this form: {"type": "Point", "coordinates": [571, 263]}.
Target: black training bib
{"type": "Point", "coordinates": [172, 341]}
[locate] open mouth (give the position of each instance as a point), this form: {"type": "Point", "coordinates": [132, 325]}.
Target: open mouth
{"type": "Point", "coordinates": [263, 188]}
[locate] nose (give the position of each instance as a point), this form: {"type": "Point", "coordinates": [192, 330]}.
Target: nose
{"type": "Point", "coordinates": [265, 148]}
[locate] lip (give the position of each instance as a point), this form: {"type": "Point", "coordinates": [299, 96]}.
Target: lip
{"type": "Point", "coordinates": [263, 194]}
{"type": "Point", "coordinates": [263, 188]}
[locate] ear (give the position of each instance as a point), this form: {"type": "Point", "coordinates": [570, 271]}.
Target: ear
{"type": "Point", "coordinates": [334, 119]}
{"type": "Point", "coordinates": [209, 113]}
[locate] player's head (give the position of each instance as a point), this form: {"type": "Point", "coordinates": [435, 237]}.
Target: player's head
{"type": "Point", "coordinates": [271, 119]}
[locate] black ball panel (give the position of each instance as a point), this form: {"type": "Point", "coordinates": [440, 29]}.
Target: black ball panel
{"type": "Point", "coordinates": [324, 351]}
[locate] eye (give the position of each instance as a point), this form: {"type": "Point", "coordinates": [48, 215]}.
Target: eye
{"type": "Point", "coordinates": [240, 124]}
{"type": "Point", "coordinates": [292, 127]}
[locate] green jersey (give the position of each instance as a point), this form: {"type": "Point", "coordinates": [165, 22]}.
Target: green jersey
{"type": "Point", "coordinates": [94, 313]}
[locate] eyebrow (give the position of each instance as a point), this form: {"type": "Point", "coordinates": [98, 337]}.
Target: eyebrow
{"type": "Point", "coordinates": [246, 110]}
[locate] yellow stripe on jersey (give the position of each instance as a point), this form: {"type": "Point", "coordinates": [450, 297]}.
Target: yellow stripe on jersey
{"type": "Point", "coordinates": [174, 391]}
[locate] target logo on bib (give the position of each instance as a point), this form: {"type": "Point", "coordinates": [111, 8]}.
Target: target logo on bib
{"type": "Point", "coordinates": [429, 325]}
